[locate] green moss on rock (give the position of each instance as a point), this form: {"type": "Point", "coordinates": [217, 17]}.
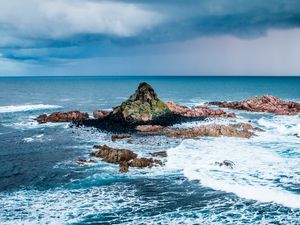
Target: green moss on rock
{"type": "Point", "coordinates": [143, 105]}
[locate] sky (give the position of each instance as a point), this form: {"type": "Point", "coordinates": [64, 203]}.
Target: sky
{"type": "Point", "coordinates": [153, 37]}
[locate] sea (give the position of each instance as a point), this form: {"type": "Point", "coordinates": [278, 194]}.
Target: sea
{"type": "Point", "coordinates": [42, 183]}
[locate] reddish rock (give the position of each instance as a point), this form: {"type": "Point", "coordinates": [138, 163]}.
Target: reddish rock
{"type": "Point", "coordinates": [268, 104]}
{"type": "Point", "coordinates": [123, 167]}
{"type": "Point", "coordinates": [214, 130]}
{"type": "Point", "coordinates": [113, 155]}
{"type": "Point", "coordinates": [100, 114]}
{"type": "Point", "coordinates": [58, 117]}
{"type": "Point", "coordinates": [114, 137]}
{"type": "Point", "coordinates": [150, 128]}
{"type": "Point", "coordinates": [144, 162]}
{"type": "Point", "coordinates": [198, 111]}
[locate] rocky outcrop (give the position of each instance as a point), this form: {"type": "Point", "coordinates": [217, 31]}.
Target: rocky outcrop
{"type": "Point", "coordinates": [150, 128]}
{"type": "Point", "coordinates": [143, 105]}
{"type": "Point", "coordinates": [114, 137]}
{"type": "Point", "coordinates": [100, 114]}
{"type": "Point", "coordinates": [266, 103]}
{"type": "Point", "coordinates": [58, 117]}
{"type": "Point", "coordinates": [214, 130]}
{"type": "Point", "coordinates": [198, 111]}
{"type": "Point", "coordinates": [124, 157]}
{"type": "Point", "coordinates": [113, 155]}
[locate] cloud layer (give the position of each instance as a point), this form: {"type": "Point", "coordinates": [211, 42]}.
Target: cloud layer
{"type": "Point", "coordinates": [51, 32]}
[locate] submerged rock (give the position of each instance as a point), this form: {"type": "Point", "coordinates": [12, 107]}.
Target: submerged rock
{"type": "Point", "coordinates": [143, 105]}
{"type": "Point", "coordinates": [114, 137]}
{"type": "Point", "coordinates": [144, 162]}
{"type": "Point", "coordinates": [198, 111]}
{"type": "Point", "coordinates": [227, 163]}
{"type": "Point", "coordinates": [84, 161]}
{"type": "Point", "coordinates": [214, 130]}
{"type": "Point", "coordinates": [62, 117]}
{"type": "Point", "coordinates": [159, 154]}
{"type": "Point", "coordinates": [265, 103]}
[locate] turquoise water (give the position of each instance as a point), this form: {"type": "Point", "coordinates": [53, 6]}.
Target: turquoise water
{"type": "Point", "coordinates": [40, 181]}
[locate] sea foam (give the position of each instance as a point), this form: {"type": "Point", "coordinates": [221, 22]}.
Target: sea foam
{"type": "Point", "coordinates": [22, 108]}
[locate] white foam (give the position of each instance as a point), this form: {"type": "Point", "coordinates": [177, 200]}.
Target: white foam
{"type": "Point", "coordinates": [260, 173]}
{"type": "Point", "coordinates": [21, 108]}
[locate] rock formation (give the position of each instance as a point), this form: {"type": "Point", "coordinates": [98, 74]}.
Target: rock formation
{"type": "Point", "coordinates": [266, 103]}
{"type": "Point", "coordinates": [143, 105]}
{"type": "Point", "coordinates": [198, 111]}
{"type": "Point", "coordinates": [57, 117]}
{"type": "Point", "coordinates": [159, 154]}
{"type": "Point", "coordinates": [124, 157]}
{"type": "Point", "coordinates": [150, 128]}
{"type": "Point", "coordinates": [214, 130]}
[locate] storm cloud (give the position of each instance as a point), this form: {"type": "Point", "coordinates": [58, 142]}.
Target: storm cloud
{"type": "Point", "coordinates": [53, 32]}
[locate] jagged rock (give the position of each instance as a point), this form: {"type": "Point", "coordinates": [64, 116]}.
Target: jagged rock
{"type": "Point", "coordinates": [159, 154]}
{"type": "Point", "coordinates": [266, 103]}
{"type": "Point", "coordinates": [124, 157]}
{"type": "Point", "coordinates": [198, 111]}
{"type": "Point", "coordinates": [150, 128]}
{"type": "Point", "coordinates": [113, 155]}
{"type": "Point", "coordinates": [214, 130]}
{"type": "Point", "coordinates": [143, 105]}
{"type": "Point", "coordinates": [100, 114]}
{"type": "Point", "coordinates": [62, 117]}
{"type": "Point", "coordinates": [144, 162]}
{"type": "Point", "coordinates": [114, 137]}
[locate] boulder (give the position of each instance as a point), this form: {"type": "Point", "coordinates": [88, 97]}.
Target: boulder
{"type": "Point", "coordinates": [114, 137]}
{"type": "Point", "coordinates": [113, 155]}
{"type": "Point", "coordinates": [269, 104]}
{"type": "Point", "coordinates": [214, 130]}
{"type": "Point", "coordinates": [100, 114]}
{"type": "Point", "coordinates": [58, 117]}
{"type": "Point", "coordinates": [143, 105]}
{"type": "Point", "coordinates": [199, 111]}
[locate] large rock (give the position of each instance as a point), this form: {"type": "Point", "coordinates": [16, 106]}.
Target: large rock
{"type": "Point", "coordinates": [198, 111]}
{"type": "Point", "coordinates": [124, 157]}
{"type": "Point", "coordinates": [143, 105]}
{"type": "Point", "coordinates": [57, 117]}
{"type": "Point", "coordinates": [150, 128]}
{"type": "Point", "coordinates": [113, 155]}
{"type": "Point", "coordinates": [268, 104]}
{"type": "Point", "coordinates": [214, 130]}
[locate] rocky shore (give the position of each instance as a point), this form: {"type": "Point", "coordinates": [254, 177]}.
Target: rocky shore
{"type": "Point", "coordinates": [269, 104]}
{"type": "Point", "coordinates": [144, 114]}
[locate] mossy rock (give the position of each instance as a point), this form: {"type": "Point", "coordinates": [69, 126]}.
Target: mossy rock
{"type": "Point", "coordinates": [143, 105]}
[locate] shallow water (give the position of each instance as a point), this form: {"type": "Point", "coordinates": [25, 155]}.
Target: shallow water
{"type": "Point", "coordinates": [41, 183]}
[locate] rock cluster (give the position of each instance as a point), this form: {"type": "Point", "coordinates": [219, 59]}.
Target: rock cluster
{"type": "Point", "coordinates": [266, 103]}
{"type": "Point", "coordinates": [124, 157]}
{"type": "Point", "coordinates": [143, 105]}
{"type": "Point", "coordinates": [214, 130]}
{"type": "Point", "coordinates": [199, 111]}
{"type": "Point", "coordinates": [57, 117]}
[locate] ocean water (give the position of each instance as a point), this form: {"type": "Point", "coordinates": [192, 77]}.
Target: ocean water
{"type": "Point", "coordinates": [41, 183]}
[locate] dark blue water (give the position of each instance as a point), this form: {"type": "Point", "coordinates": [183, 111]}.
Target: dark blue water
{"type": "Point", "coordinates": [40, 181]}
